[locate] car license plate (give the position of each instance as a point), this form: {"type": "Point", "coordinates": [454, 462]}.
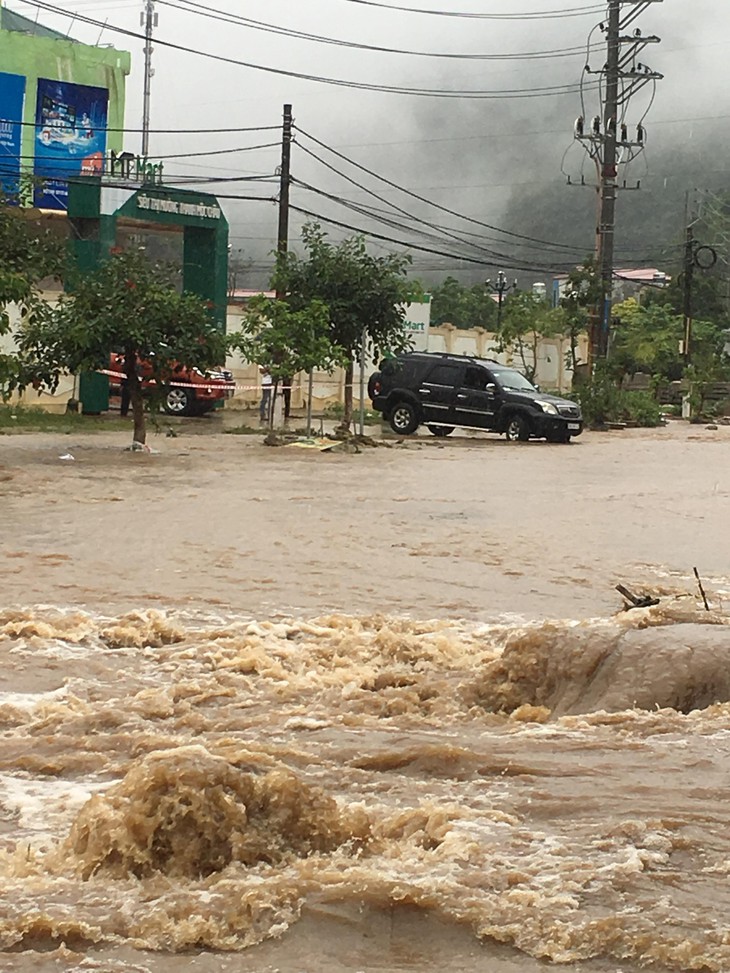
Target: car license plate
{"type": "Point", "coordinates": [573, 426]}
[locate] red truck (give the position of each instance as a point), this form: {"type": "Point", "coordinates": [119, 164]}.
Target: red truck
{"type": "Point", "coordinates": [188, 392]}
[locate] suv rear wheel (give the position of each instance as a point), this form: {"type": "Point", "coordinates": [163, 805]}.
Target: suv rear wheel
{"type": "Point", "coordinates": [404, 419]}
{"type": "Point", "coordinates": [441, 430]}
{"type": "Point", "coordinates": [518, 429]}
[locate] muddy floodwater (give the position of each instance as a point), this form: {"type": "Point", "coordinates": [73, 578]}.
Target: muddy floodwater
{"type": "Point", "coordinates": [280, 710]}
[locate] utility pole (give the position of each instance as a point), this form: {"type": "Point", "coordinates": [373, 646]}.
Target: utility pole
{"type": "Point", "coordinates": [282, 244]}
{"type": "Point", "coordinates": [149, 20]}
{"type": "Point", "coordinates": [608, 183]}
{"type": "Point", "coordinates": [607, 141]}
{"type": "Point", "coordinates": [689, 270]}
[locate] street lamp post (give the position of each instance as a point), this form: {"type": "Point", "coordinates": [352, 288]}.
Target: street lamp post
{"type": "Point", "coordinates": [500, 288]}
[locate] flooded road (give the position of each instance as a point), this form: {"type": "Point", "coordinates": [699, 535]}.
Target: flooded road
{"type": "Point", "coordinates": [265, 709]}
{"type": "Point", "coordinates": [470, 528]}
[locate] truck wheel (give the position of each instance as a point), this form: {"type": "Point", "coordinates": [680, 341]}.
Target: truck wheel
{"type": "Point", "coordinates": [404, 419]}
{"type": "Point", "coordinates": [441, 430]}
{"type": "Point", "coordinates": [559, 436]}
{"type": "Point", "coordinates": [178, 401]}
{"type": "Point", "coordinates": [518, 429]}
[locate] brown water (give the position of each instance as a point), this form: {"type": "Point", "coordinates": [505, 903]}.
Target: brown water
{"type": "Point", "coordinates": [207, 785]}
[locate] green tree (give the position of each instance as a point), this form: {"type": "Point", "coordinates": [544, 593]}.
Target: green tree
{"type": "Point", "coordinates": [464, 307]}
{"type": "Point", "coordinates": [526, 319]}
{"type": "Point", "coordinates": [366, 295]}
{"type": "Point", "coordinates": [287, 341]}
{"type": "Point", "coordinates": [29, 253]}
{"type": "Point", "coordinates": [127, 304]}
{"type": "Point", "coordinates": [647, 339]}
{"type": "Point", "coordinates": [582, 291]}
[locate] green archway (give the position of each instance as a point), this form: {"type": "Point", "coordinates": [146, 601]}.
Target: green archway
{"type": "Point", "coordinates": [96, 209]}
{"type": "Point", "coordinates": [99, 209]}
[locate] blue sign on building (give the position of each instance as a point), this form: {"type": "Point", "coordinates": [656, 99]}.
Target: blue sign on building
{"type": "Point", "coordinates": [70, 137]}
{"type": "Point", "coordinates": [12, 96]}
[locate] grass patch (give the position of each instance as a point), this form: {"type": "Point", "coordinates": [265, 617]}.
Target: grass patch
{"type": "Point", "coordinates": [336, 411]}
{"type": "Point", "coordinates": [23, 418]}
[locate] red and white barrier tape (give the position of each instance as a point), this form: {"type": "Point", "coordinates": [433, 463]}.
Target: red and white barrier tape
{"type": "Point", "coordinates": [225, 386]}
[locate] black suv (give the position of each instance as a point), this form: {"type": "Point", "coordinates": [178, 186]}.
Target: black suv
{"type": "Point", "coordinates": [446, 391]}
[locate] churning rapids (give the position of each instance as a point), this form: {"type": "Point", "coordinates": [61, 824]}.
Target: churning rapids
{"type": "Point", "coordinates": [205, 792]}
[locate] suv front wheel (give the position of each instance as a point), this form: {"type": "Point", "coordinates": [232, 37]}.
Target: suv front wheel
{"type": "Point", "coordinates": [518, 429]}
{"type": "Point", "coordinates": [404, 419]}
{"type": "Point", "coordinates": [178, 401]}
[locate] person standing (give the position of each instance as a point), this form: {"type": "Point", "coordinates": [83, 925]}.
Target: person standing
{"type": "Point", "coordinates": [286, 384]}
{"type": "Point", "coordinates": [267, 385]}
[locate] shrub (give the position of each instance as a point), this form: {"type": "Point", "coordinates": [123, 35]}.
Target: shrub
{"type": "Point", "coordinates": [602, 401]}
{"type": "Point", "coordinates": [641, 408]}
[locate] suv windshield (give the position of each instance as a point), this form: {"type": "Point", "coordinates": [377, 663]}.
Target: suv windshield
{"type": "Point", "coordinates": [508, 378]}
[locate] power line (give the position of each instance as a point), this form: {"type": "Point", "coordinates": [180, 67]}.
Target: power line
{"type": "Point", "coordinates": [478, 94]}
{"type": "Point", "coordinates": [530, 242]}
{"type": "Point", "coordinates": [528, 268]}
{"type": "Point", "coordinates": [431, 233]}
{"type": "Point", "coordinates": [163, 158]}
{"type": "Point", "coordinates": [442, 230]}
{"type": "Point", "coordinates": [164, 131]}
{"type": "Point", "coordinates": [529, 15]}
{"type": "Point", "coordinates": [436, 232]}
{"type": "Point", "coordinates": [423, 199]}
{"type": "Point", "coordinates": [211, 13]}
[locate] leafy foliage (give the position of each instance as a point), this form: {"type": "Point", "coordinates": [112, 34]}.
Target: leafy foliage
{"type": "Point", "coordinates": [464, 307]}
{"type": "Point", "coordinates": [28, 254]}
{"type": "Point", "coordinates": [365, 295]}
{"type": "Point", "coordinates": [287, 341]}
{"type": "Point", "coordinates": [648, 337]}
{"type": "Point", "coordinates": [603, 401]}
{"type": "Point", "coordinates": [582, 290]}
{"type": "Point", "coordinates": [525, 320]}
{"type": "Point", "coordinates": [130, 305]}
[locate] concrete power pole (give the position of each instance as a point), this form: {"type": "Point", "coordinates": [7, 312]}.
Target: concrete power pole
{"type": "Point", "coordinates": [282, 241]}
{"type": "Point", "coordinates": [607, 141]}
{"type": "Point", "coordinates": [608, 185]}
{"type": "Point", "coordinates": [149, 20]}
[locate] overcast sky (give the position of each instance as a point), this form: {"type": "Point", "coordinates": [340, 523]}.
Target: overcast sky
{"type": "Point", "coordinates": [469, 154]}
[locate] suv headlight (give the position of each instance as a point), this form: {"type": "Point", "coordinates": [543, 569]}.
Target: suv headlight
{"type": "Point", "coordinates": [547, 407]}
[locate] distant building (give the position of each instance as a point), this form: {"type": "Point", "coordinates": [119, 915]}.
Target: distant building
{"type": "Point", "coordinates": [626, 283]}
{"type": "Point", "coordinates": [630, 283]}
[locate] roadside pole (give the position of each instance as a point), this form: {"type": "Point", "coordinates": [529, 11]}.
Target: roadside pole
{"type": "Point", "coordinates": [689, 266]}
{"type": "Point", "coordinates": [310, 392]}
{"type": "Point", "coordinates": [363, 361]}
{"type": "Point", "coordinates": [282, 239]}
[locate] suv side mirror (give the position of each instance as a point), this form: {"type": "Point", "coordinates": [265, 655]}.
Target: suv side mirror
{"type": "Point", "coordinates": [491, 388]}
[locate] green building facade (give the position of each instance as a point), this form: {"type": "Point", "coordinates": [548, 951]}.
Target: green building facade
{"type": "Point", "coordinates": [61, 103]}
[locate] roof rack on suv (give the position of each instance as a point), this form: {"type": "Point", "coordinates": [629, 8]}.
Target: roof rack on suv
{"type": "Point", "coordinates": [448, 354]}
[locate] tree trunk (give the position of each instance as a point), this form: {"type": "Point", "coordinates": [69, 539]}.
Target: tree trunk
{"type": "Point", "coordinates": [574, 351]}
{"type": "Point", "coordinates": [347, 416]}
{"type": "Point", "coordinates": [137, 401]}
{"type": "Point", "coordinates": [272, 404]}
